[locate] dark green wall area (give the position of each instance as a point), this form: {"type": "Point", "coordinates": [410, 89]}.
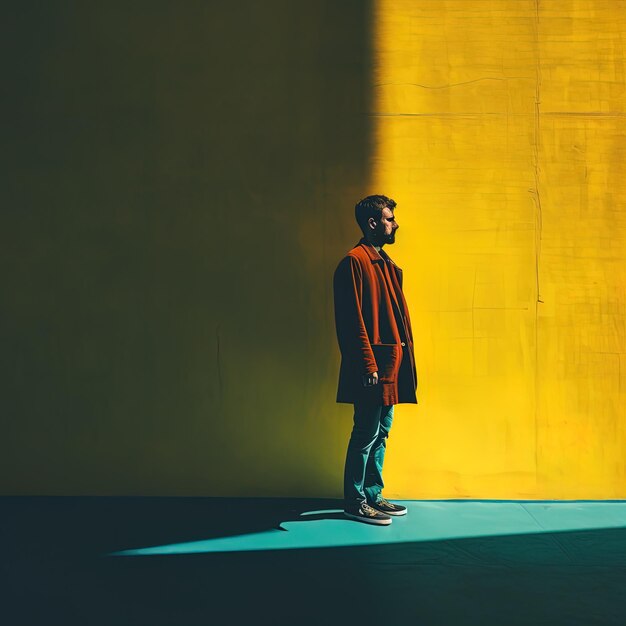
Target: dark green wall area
{"type": "Point", "coordinates": [179, 184]}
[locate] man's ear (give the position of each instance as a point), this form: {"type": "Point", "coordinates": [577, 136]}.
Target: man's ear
{"type": "Point", "coordinates": [371, 222]}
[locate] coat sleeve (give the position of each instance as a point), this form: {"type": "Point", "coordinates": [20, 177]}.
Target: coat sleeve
{"type": "Point", "coordinates": [351, 332]}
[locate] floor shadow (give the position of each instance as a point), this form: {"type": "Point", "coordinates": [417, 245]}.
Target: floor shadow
{"type": "Point", "coordinates": [56, 572]}
{"type": "Point", "coordinates": [62, 525]}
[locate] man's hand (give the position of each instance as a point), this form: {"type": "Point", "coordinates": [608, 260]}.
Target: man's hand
{"type": "Point", "coordinates": [370, 379]}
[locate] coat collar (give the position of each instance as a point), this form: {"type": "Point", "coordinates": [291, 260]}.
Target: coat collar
{"type": "Point", "coordinates": [373, 254]}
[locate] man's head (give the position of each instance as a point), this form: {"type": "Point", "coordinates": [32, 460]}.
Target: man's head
{"type": "Point", "coordinates": [374, 215]}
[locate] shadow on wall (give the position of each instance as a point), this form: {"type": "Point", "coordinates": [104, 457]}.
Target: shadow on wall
{"type": "Point", "coordinates": [180, 188]}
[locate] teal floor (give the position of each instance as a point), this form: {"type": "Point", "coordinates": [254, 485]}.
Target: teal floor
{"type": "Point", "coordinates": [188, 561]}
{"type": "Point", "coordinates": [425, 521]}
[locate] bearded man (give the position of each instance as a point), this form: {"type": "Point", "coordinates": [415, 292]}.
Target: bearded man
{"type": "Point", "coordinates": [377, 359]}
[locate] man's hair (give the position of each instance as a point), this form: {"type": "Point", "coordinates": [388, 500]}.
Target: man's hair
{"type": "Point", "coordinates": [372, 206]}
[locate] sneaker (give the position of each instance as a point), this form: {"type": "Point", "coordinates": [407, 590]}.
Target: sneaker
{"type": "Point", "coordinates": [384, 506]}
{"type": "Point", "coordinates": [365, 513]}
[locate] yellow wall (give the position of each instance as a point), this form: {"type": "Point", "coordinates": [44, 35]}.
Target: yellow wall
{"type": "Point", "coordinates": [500, 132]}
{"type": "Point", "coordinates": [179, 187]}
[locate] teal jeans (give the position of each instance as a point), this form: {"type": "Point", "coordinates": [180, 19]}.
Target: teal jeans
{"type": "Point", "coordinates": [363, 473]}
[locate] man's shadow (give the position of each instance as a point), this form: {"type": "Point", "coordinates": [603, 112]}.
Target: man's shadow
{"type": "Point", "coordinates": [314, 515]}
{"type": "Point", "coordinates": [76, 527]}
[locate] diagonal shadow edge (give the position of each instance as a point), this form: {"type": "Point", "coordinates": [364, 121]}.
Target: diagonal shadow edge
{"type": "Point", "coordinates": [360, 539]}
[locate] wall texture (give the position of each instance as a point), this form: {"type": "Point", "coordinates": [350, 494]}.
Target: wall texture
{"type": "Point", "coordinates": [500, 130]}
{"type": "Point", "coordinates": [179, 185]}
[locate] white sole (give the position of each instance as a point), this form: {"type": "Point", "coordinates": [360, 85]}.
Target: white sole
{"type": "Point", "coordinates": [359, 518]}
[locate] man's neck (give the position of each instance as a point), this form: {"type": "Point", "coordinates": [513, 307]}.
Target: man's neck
{"type": "Point", "coordinates": [377, 246]}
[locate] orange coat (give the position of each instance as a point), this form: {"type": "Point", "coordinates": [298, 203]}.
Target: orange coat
{"type": "Point", "coordinates": [373, 329]}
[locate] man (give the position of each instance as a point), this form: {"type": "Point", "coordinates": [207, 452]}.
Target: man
{"type": "Point", "coordinates": [377, 361]}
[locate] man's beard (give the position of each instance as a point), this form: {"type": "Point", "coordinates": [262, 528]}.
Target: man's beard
{"type": "Point", "coordinates": [382, 239]}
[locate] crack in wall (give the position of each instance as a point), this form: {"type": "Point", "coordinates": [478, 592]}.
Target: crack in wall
{"type": "Point", "coordinates": [448, 85]}
{"type": "Point", "coordinates": [220, 382]}
{"type": "Point", "coordinates": [538, 220]}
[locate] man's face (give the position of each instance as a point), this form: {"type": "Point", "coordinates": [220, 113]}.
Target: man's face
{"type": "Point", "coordinates": [386, 227]}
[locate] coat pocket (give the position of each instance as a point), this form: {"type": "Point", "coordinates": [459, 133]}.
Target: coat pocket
{"type": "Point", "coordinates": [388, 357]}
